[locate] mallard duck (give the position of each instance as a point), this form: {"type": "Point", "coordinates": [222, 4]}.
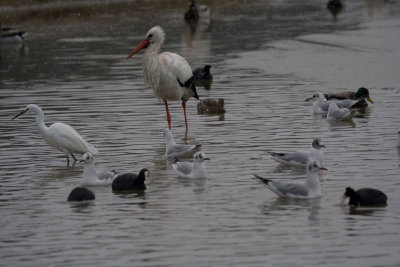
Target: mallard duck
{"type": "Point", "coordinates": [365, 197]}
{"type": "Point", "coordinates": [361, 94]}
{"type": "Point", "coordinates": [211, 106]}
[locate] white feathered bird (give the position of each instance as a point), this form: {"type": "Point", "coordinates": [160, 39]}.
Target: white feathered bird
{"type": "Point", "coordinates": [169, 74]}
{"type": "Point", "coordinates": [59, 135]}
{"type": "Point", "coordinates": [195, 169]}
{"type": "Point", "coordinates": [93, 177]}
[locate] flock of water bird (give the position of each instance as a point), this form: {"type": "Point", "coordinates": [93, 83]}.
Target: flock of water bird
{"type": "Point", "coordinates": [172, 79]}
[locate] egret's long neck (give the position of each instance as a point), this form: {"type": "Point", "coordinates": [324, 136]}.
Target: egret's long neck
{"type": "Point", "coordinates": [40, 123]}
{"type": "Point", "coordinates": [89, 171]}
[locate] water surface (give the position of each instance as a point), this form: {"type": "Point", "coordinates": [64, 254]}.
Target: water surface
{"type": "Point", "coordinates": [77, 72]}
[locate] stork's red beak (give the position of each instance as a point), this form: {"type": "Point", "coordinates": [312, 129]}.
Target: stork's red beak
{"type": "Point", "coordinates": [141, 45]}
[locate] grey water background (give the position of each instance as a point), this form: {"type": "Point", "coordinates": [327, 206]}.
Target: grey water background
{"type": "Point", "coordinates": [75, 69]}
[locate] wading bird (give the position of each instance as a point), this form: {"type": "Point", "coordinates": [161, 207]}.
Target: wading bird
{"type": "Point", "coordinates": [169, 74]}
{"type": "Point", "coordinates": [60, 135]}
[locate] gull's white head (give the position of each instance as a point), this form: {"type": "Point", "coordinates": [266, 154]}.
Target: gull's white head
{"type": "Point", "coordinates": [317, 144]}
{"type": "Point", "coordinates": [313, 166]}
{"type": "Point", "coordinates": [87, 157]}
{"type": "Point", "coordinates": [200, 157]}
{"type": "Point", "coordinates": [317, 97]}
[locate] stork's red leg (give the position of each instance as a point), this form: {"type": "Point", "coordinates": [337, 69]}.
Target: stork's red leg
{"type": "Point", "coordinates": [168, 115]}
{"type": "Point", "coordinates": [184, 113]}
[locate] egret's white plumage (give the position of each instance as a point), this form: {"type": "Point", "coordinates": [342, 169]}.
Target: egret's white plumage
{"type": "Point", "coordinates": [169, 74]}
{"type": "Point", "coordinates": [174, 150]}
{"type": "Point", "coordinates": [60, 135]}
{"type": "Point", "coordinates": [93, 177]}
{"type": "Point", "coordinates": [301, 157]}
{"type": "Point", "coordinates": [310, 189]}
{"type": "Point", "coordinates": [193, 169]}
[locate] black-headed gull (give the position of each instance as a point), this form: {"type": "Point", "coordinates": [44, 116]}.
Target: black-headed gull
{"type": "Point", "coordinates": [93, 177]}
{"type": "Point", "coordinates": [173, 150]}
{"type": "Point", "coordinates": [300, 158]}
{"type": "Point", "coordinates": [193, 169]}
{"type": "Point", "coordinates": [310, 189]}
{"type": "Point", "coordinates": [337, 114]}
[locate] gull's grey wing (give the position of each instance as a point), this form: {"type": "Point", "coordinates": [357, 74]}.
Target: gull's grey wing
{"type": "Point", "coordinates": [105, 175]}
{"type": "Point", "coordinates": [179, 150]}
{"type": "Point", "coordinates": [289, 189]}
{"type": "Point", "coordinates": [184, 167]}
{"type": "Point", "coordinates": [295, 157]}
{"type": "Point", "coordinates": [340, 113]}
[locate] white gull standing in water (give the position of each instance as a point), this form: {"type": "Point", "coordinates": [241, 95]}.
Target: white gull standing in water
{"type": "Point", "coordinates": [174, 150]}
{"type": "Point", "coordinates": [93, 177]}
{"type": "Point", "coordinates": [310, 189]}
{"type": "Point", "coordinates": [193, 169]}
{"type": "Point", "coordinates": [60, 135]}
{"type": "Point", "coordinates": [169, 74]}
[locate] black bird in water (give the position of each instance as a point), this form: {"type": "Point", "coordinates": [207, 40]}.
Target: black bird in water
{"type": "Point", "coordinates": [130, 181]}
{"type": "Point", "coordinates": [80, 194]}
{"type": "Point", "coordinates": [335, 7]}
{"type": "Point", "coordinates": [365, 197]}
{"type": "Point", "coordinates": [203, 77]}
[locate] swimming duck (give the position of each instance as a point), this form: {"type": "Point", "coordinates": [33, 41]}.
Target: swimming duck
{"type": "Point", "coordinates": [203, 77]}
{"type": "Point", "coordinates": [365, 197]}
{"type": "Point", "coordinates": [197, 14]}
{"type": "Point", "coordinates": [211, 106]}
{"type": "Point", "coordinates": [361, 94]}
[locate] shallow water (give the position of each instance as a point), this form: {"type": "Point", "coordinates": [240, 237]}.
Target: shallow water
{"type": "Point", "coordinates": [78, 74]}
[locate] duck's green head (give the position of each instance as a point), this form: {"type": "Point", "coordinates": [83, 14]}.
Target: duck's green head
{"type": "Point", "coordinates": [363, 92]}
